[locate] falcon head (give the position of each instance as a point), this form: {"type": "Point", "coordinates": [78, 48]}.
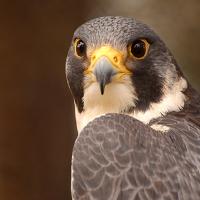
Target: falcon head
{"type": "Point", "coordinates": [120, 65]}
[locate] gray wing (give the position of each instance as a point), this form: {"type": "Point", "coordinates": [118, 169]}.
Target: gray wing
{"type": "Point", "coordinates": [119, 158]}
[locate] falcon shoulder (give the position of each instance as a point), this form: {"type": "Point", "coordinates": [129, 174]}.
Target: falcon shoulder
{"type": "Point", "coordinates": [118, 157]}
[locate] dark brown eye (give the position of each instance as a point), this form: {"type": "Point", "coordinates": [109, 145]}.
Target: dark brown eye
{"type": "Point", "coordinates": [80, 47]}
{"type": "Point", "coordinates": [139, 48]}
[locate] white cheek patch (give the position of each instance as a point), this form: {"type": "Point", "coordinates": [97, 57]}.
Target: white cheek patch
{"type": "Point", "coordinates": [117, 97]}
{"type": "Point", "coordinates": [173, 100]}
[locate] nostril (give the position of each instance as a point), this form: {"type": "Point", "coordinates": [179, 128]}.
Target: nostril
{"type": "Point", "coordinates": [115, 59]}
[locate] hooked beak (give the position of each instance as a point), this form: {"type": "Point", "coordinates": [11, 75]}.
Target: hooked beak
{"type": "Point", "coordinates": [107, 63]}
{"type": "Point", "coordinates": [104, 71]}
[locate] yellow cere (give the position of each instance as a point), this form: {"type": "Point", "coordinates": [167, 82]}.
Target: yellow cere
{"type": "Point", "coordinates": [115, 57]}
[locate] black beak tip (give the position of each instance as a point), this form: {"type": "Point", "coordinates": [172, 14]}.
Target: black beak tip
{"type": "Point", "coordinates": [102, 86]}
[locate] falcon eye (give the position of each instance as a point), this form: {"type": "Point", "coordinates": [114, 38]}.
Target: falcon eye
{"type": "Point", "coordinates": [80, 47]}
{"type": "Point", "coordinates": [139, 48]}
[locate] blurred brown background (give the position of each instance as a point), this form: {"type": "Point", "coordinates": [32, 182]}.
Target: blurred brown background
{"type": "Point", "coordinates": [37, 126]}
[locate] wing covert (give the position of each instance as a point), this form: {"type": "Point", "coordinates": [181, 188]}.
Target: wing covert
{"type": "Point", "coordinates": [118, 157]}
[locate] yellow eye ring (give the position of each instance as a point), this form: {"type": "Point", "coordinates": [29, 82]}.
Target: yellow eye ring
{"type": "Point", "coordinates": [80, 47]}
{"type": "Point", "coordinates": [138, 49]}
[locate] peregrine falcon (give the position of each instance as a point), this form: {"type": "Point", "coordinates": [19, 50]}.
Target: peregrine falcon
{"type": "Point", "coordinates": [138, 118]}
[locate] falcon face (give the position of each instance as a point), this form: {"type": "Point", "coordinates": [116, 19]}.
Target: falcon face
{"type": "Point", "coordinates": [119, 65]}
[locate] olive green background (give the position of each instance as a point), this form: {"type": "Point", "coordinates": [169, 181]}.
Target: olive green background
{"type": "Point", "coordinates": [37, 126]}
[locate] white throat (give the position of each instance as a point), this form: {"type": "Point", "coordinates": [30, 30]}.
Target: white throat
{"type": "Point", "coordinates": [118, 97]}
